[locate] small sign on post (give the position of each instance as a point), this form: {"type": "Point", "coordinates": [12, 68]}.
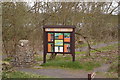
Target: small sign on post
{"type": "Point", "coordinates": [59, 39]}
{"type": "Point", "coordinates": [91, 76]}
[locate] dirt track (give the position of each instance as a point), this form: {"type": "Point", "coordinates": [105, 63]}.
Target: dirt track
{"type": "Point", "coordinates": [59, 73]}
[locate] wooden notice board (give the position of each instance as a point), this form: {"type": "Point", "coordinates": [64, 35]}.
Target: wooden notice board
{"type": "Point", "coordinates": [59, 39]}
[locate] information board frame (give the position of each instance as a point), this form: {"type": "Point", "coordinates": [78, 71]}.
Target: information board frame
{"type": "Point", "coordinates": [57, 27]}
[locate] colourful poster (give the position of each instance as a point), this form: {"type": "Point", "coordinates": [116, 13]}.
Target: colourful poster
{"type": "Point", "coordinates": [58, 48]}
{"type": "Point", "coordinates": [50, 47]}
{"type": "Point", "coordinates": [50, 36]}
{"type": "Point", "coordinates": [59, 42]}
{"type": "Point", "coordinates": [58, 35]}
{"type": "Point", "coordinates": [61, 49]}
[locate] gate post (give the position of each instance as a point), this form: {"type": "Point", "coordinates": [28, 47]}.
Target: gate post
{"type": "Point", "coordinates": [89, 76]}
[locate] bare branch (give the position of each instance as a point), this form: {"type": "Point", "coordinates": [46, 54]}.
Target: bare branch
{"type": "Point", "coordinates": [114, 9]}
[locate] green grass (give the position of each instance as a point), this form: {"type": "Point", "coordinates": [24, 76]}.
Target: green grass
{"type": "Point", "coordinates": [107, 48]}
{"type": "Point", "coordinates": [85, 44]}
{"type": "Point", "coordinates": [110, 47]}
{"type": "Point", "coordinates": [81, 45]}
{"type": "Point", "coordinates": [18, 74]}
{"type": "Point", "coordinates": [82, 52]}
{"type": "Point", "coordinates": [71, 65]}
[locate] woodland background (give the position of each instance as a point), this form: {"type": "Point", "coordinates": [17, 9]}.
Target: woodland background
{"type": "Point", "coordinates": [22, 20]}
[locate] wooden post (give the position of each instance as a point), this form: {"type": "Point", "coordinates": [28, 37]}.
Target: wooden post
{"type": "Point", "coordinates": [73, 57]}
{"type": "Point", "coordinates": [44, 42]}
{"type": "Point", "coordinates": [89, 76]}
{"type": "Point", "coordinates": [44, 58]}
{"type": "Point", "coordinates": [73, 45]}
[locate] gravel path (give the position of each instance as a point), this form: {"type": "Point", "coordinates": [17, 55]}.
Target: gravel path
{"type": "Point", "coordinates": [59, 73]}
{"type": "Point", "coordinates": [103, 68]}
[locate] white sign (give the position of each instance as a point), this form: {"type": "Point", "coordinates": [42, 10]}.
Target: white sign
{"type": "Point", "coordinates": [61, 49]}
{"type": "Point", "coordinates": [59, 29]}
{"type": "Point", "coordinates": [56, 49]}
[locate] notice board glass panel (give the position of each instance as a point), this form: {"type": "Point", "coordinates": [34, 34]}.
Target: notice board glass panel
{"type": "Point", "coordinates": [58, 35]}
{"type": "Point", "coordinates": [66, 37]}
{"type": "Point", "coordinates": [50, 37]}
{"type": "Point", "coordinates": [50, 47]}
{"type": "Point", "coordinates": [66, 47]}
{"type": "Point", "coordinates": [58, 48]}
{"type": "Point", "coordinates": [59, 42]}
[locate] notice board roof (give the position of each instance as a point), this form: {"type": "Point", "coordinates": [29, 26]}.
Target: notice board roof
{"type": "Point", "coordinates": [58, 26]}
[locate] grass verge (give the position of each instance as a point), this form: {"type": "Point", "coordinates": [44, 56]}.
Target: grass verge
{"type": "Point", "coordinates": [72, 65]}
{"type": "Point", "coordinates": [18, 74]}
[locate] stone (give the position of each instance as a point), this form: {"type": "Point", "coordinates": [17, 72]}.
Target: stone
{"type": "Point", "coordinates": [24, 54]}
